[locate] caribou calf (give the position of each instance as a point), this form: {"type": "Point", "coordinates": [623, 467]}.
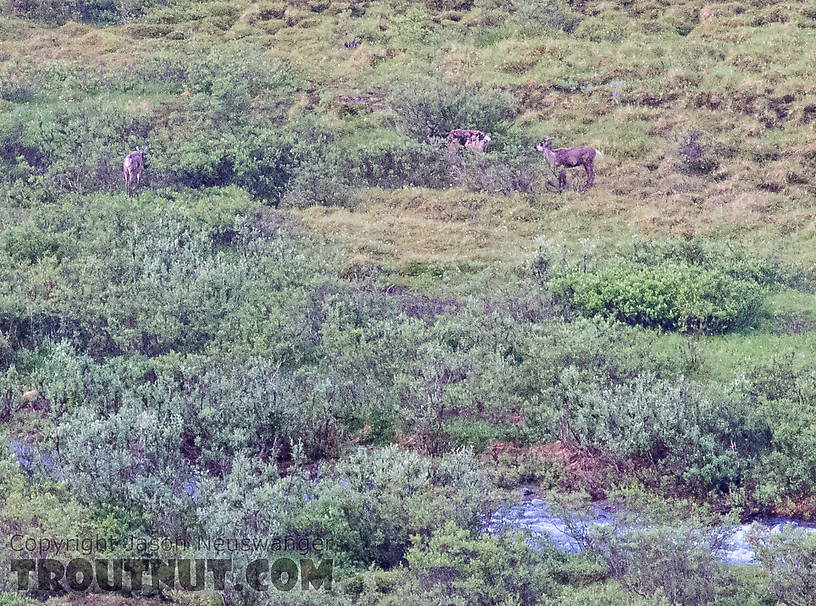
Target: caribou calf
{"type": "Point", "coordinates": [474, 139]}
{"type": "Point", "coordinates": [570, 157]}
{"type": "Point", "coordinates": [132, 167]}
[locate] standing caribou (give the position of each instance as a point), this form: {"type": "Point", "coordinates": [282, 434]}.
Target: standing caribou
{"type": "Point", "coordinates": [132, 167]}
{"type": "Point", "coordinates": [570, 157]}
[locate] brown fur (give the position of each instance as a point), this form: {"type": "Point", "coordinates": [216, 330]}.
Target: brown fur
{"type": "Point", "coordinates": [570, 157]}
{"type": "Point", "coordinates": [474, 139]}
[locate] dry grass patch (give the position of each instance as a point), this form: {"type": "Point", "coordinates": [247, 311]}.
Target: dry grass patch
{"type": "Point", "coordinates": [453, 227]}
{"type": "Point", "coordinates": [444, 227]}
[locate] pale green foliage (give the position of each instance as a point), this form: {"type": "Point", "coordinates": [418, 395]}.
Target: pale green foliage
{"type": "Point", "coordinates": [16, 599]}
{"type": "Point", "coordinates": [376, 500]}
{"type": "Point", "coordinates": [659, 549]}
{"type": "Point", "coordinates": [790, 558]}
{"type": "Point", "coordinates": [35, 511]}
{"type": "Point", "coordinates": [685, 286]}
{"type": "Point", "coordinates": [454, 567]}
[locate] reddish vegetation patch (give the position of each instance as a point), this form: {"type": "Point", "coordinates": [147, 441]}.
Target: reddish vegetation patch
{"type": "Point", "coordinates": [589, 473]}
{"type": "Point", "coordinates": [421, 306]}
{"type": "Point", "coordinates": [800, 509]}
{"type": "Point", "coordinates": [768, 109]}
{"type": "Point", "coordinates": [23, 408]}
{"type": "Point", "coordinates": [504, 448]}
{"type": "Point", "coordinates": [584, 472]}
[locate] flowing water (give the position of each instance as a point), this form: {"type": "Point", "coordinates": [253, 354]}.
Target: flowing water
{"type": "Point", "coordinates": [535, 515]}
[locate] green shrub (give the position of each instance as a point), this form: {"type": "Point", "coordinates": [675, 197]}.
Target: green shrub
{"type": "Point", "coordinates": [790, 559]}
{"type": "Point", "coordinates": [81, 145]}
{"type": "Point", "coordinates": [673, 558]}
{"type": "Point", "coordinates": [380, 498]}
{"type": "Point", "coordinates": [739, 262]}
{"type": "Point", "coordinates": [325, 167]}
{"type": "Point", "coordinates": [263, 165]}
{"type": "Point", "coordinates": [34, 507]}
{"type": "Point", "coordinates": [16, 599]}
{"type": "Point", "coordinates": [455, 567]}
{"type": "Point", "coordinates": [503, 172]}
{"type": "Point", "coordinates": [368, 505]}
{"type": "Point", "coordinates": [535, 14]}
{"type": "Point", "coordinates": [106, 11]}
{"type": "Point", "coordinates": [647, 419]}
{"type": "Point", "coordinates": [28, 243]}
{"type": "Point", "coordinates": [211, 138]}
{"type": "Point", "coordinates": [395, 163]}
{"type": "Point", "coordinates": [783, 391]}
{"type": "Point", "coordinates": [47, 11]}
{"type": "Point", "coordinates": [91, 11]}
{"type": "Point", "coordinates": [609, 594]}
{"type": "Point", "coordinates": [670, 296]}
{"type": "Point", "coordinates": [426, 110]}
{"type": "Point", "coordinates": [319, 176]}
{"type": "Point", "coordinates": [173, 256]}
{"type": "Point", "coordinates": [476, 434]}
{"type": "Point", "coordinates": [412, 27]}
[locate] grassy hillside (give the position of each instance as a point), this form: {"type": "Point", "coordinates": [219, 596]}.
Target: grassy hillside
{"type": "Point", "coordinates": [635, 80]}
{"type": "Point", "coordinates": [311, 318]}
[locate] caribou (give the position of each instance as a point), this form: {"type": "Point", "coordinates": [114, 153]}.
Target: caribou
{"type": "Point", "coordinates": [474, 139]}
{"type": "Point", "coordinates": [132, 167]}
{"type": "Point", "coordinates": [570, 157]}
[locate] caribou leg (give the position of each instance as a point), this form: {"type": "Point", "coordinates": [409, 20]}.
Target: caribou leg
{"type": "Point", "coordinates": [590, 173]}
{"type": "Point", "coordinates": [562, 180]}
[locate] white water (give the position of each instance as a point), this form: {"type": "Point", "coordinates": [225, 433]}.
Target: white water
{"type": "Point", "coordinates": [534, 515]}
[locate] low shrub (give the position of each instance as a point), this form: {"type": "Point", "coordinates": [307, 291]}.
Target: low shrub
{"type": "Point", "coordinates": [36, 507]}
{"type": "Point", "coordinates": [91, 11]}
{"type": "Point", "coordinates": [737, 261]}
{"type": "Point", "coordinates": [387, 496]}
{"type": "Point", "coordinates": [394, 163]}
{"type": "Point", "coordinates": [790, 559]}
{"type": "Point", "coordinates": [455, 567]}
{"type": "Point", "coordinates": [427, 111]}
{"type": "Point", "coordinates": [550, 14]}
{"type": "Point", "coordinates": [502, 172]}
{"type": "Point", "coordinates": [676, 563]}
{"type": "Point", "coordinates": [669, 296]}
{"type": "Point", "coordinates": [783, 389]}
{"type": "Point", "coordinates": [656, 548]}
{"type": "Point", "coordinates": [368, 505]}
{"type": "Point", "coordinates": [263, 165]}
{"type": "Point", "coordinates": [691, 285]}
{"type": "Point", "coordinates": [28, 243]}
{"type": "Point", "coordinates": [47, 11]}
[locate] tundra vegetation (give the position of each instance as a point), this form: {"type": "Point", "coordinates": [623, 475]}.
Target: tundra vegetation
{"type": "Point", "coordinates": [311, 319]}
